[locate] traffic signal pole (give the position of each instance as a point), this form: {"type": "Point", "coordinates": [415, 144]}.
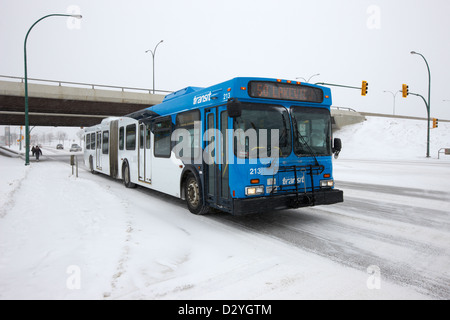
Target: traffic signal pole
{"type": "Point", "coordinates": [336, 85]}
{"type": "Point", "coordinates": [428, 121]}
{"type": "Point", "coordinates": [364, 89]}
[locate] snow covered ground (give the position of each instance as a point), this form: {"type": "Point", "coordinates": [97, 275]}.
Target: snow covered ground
{"type": "Point", "coordinates": [63, 237]}
{"type": "Point", "coordinates": [389, 151]}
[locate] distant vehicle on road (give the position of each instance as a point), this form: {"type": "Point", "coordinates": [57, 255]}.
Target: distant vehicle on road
{"type": "Point", "coordinates": [60, 147]}
{"type": "Point", "coordinates": [75, 148]}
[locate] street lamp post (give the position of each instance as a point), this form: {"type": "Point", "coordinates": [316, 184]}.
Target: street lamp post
{"type": "Point", "coordinates": [394, 95]}
{"type": "Point", "coordinates": [307, 81]}
{"type": "Point", "coordinates": [153, 55]}
{"type": "Point", "coordinates": [27, 129]}
{"type": "Point", "coordinates": [428, 104]}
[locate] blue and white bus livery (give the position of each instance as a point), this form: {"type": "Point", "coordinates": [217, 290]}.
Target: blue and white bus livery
{"type": "Point", "coordinates": [243, 146]}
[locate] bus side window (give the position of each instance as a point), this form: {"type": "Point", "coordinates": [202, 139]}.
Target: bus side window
{"type": "Point", "coordinates": [186, 121]}
{"type": "Point", "coordinates": [131, 137]}
{"type": "Point", "coordinates": [121, 138]}
{"type": "Point", "coordinates": [148, 136]}
{"type": "Point", "coordinates": [99, 140]}
{"type": "Point", "coordinates": [88, 142]}
{"type": "Point", "coordinates": [92, 141]}
{"type": "Point", "coordinates": [105, 149]}
{"type": "Point", "coordinates": [141, 137]}
{"type": "Point", "coordinates": [163, 131]}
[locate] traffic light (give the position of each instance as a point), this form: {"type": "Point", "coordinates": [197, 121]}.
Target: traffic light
{"type": "Point", "coordinates": [435, 123]}
{"type": "Point", "coordinates": [365, 88]}
{"type": "Point", "coordinates": [405, 90]}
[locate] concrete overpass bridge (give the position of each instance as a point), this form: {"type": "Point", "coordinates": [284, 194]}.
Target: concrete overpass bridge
{"type": "Point", "coordinates": [69, 104]}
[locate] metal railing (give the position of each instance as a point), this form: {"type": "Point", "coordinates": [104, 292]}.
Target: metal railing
{"type": "Point", "coordinates": [445, 151]}
{"type": "Point", "coordinates": [92, 86]}
{"type": "Point", "coordinates": [343, 108]}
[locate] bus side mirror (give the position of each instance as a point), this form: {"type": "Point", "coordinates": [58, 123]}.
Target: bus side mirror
{"type": "Point", "coordinates": [337, 147]}
{"type": "Point", "coordinates": [234, 108]}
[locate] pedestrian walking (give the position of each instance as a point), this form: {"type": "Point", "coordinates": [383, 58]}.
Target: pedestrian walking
{"type": "Point", "coordinates": [37, 152]}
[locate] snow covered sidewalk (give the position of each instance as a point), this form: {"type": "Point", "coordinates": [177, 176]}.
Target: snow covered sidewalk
{"type": "Point", "coordinates": [90, 238]}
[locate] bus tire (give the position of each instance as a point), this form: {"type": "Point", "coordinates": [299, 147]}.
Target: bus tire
{"type": "Point", "coordinates": [194, 196]}
{"type": "Point", "coordinates": [126, 176]}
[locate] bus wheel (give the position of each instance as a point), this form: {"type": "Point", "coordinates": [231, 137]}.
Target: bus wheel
{"type": "Point", "coordinates": [194, 196]}
{"type": "Point", "coordinates": [126, 176]}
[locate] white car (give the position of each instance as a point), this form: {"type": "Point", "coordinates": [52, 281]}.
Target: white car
{"type": "Point", "coordinates": [75, 148]}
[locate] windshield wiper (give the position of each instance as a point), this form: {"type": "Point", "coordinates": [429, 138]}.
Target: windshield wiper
{"type": "Point", "coordinates": [304, 141]}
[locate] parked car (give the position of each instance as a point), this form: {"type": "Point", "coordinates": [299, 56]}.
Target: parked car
{"type": "Point", "coordinates": [60, 147]}
{"type": "Point", "coordinates": [75, 148]}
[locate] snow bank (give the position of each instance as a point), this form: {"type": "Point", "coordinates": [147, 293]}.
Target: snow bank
{"type": "Point", "coordinates": [391, 138]}
{"type": "Point", "coordinates": [392, 152]}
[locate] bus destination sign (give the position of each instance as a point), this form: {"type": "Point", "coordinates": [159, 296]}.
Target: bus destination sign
{"type": "Point", "coordinates": [284, 91]}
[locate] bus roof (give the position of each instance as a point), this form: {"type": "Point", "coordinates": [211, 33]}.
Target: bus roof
{"type": "Point", "coordinates": [195, 97]}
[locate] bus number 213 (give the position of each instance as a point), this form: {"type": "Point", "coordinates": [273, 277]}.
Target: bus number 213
{"type": "Point", "coordinates": [256, 171]}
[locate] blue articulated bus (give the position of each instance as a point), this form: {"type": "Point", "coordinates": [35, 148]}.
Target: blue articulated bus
{"type": "Point", "coordinates": [247, 145]}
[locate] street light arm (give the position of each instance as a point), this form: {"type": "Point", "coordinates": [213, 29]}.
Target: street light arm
{"type": "Point", "coordinates": [153, 52]}
{"type": "Point", "coordinates": [27, 129]}
{"type": "Point", "coordinates": [424, 100]}
{"type": "Point", "coordinates": [153, 55]}
{"type": "Point", "coordinates": [389, 92]}
{"type": "Point", "coordinates": [76, 16]}
{"type": "Point", "coordinates": [315, 75]}
{"type": "Point", "coordinates": [158, 45]}
{"type": "Point", "coordinates": [429, 75]}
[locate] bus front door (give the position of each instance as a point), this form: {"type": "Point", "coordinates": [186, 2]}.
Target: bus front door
{"type": "Point", "coordinates": [216, 163]}
{"type": "Point", "coordinates": [145, 156]}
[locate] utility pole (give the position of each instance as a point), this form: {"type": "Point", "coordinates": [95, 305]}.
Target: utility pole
{"type": "Point", "coordinates": [27, 128]}
{"type": "Point", "coordinates": [395, 96]}
{"type": "Point", "coordinates": [153, 52]}
{"type": "Point", "coordinates": [428, 104]}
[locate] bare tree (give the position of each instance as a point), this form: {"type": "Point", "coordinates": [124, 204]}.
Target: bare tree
{"type": "Point", "coordinates": [80, 135]}
{"type": "Point", "coordinates": [34, 139]}
{"type": "Point", "coordinates": [43, 138]}
{"type": "Point", "coordinates": [61, 136]}
{"type": "Point", "coordinates": [14, 137]}
{"type": "Point", "coordinates": [50, 137]}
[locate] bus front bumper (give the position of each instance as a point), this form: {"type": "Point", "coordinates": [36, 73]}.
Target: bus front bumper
{"type": "Point", "coordinates": [288, 201]}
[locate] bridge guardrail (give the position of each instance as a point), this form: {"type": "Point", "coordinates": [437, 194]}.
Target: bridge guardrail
{"type": "Point", "coordinates": [92, 86]}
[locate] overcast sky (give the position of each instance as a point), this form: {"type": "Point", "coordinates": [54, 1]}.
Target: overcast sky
{"type": "Point", "coordinates": [210, 41]}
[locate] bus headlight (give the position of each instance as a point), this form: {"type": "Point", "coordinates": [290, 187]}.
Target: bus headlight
{"type": "Point", "coordinates": [253, 191]}
{"type": "Point", "coordinates": [327, 183]}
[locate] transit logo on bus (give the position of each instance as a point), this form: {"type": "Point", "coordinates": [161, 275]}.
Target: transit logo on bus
{"type": "Point", "coordinates": [203, 98]}
{"type": "Point", "coordinates": [288, 181]}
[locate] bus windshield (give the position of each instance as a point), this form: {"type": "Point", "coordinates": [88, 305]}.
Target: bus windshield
{"type": "Point", "coordinates": [312, 131]}
{"type": "Point", "coordinates": [258, 117]}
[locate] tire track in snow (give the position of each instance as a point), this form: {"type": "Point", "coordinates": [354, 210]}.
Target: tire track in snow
{"type": "Point", "coordinates": [334, 236]}
{"type": "Point", "coordinates": [16, 184]}
{"type": "Point", "coordinates": [121, 267]}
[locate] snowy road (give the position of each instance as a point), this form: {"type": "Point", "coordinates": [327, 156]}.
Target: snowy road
{"type": "Point", "coordinates": [140, 244]}
{"type": "Point", "coordinates": [409, 244]}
